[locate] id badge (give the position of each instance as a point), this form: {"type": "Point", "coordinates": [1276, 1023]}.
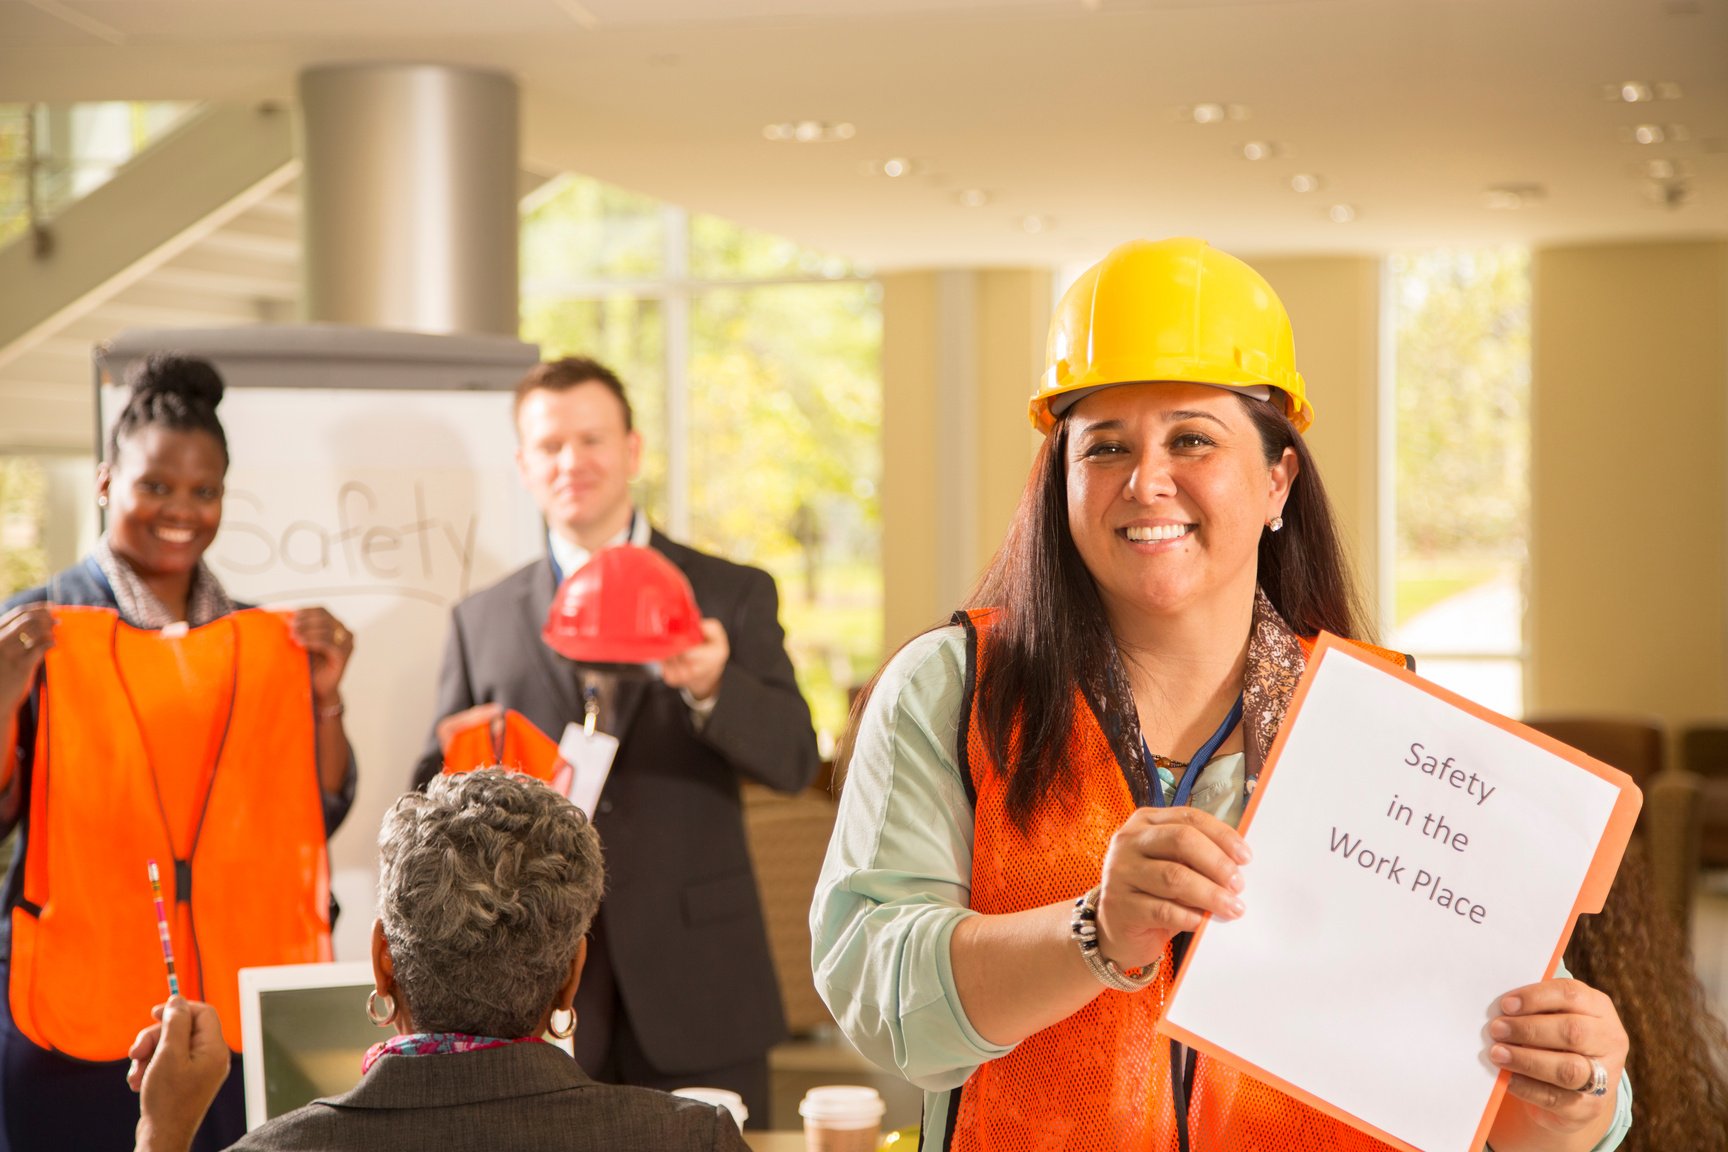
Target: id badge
{"type": "Point", "coordinates": [589, 752]}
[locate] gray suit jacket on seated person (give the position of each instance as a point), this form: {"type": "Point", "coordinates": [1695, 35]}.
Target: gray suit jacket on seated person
{"type": "Point", "coordinates": [683, 923]}
{"type": "Point", "coordinates": [520, 1098]}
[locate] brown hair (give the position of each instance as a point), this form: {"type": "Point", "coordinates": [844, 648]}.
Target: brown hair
{"type": "Point", "coordinates": [570, 372]}
{"type": "Point", "coordinates": [1635, 952]}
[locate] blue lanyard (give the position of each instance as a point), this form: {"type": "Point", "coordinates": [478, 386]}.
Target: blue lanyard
{"type": "Point", "coordinates": [1185, 786]}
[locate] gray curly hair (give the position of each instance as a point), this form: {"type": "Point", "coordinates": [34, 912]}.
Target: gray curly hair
{"type": "Point", "coordinates": [487, 882]}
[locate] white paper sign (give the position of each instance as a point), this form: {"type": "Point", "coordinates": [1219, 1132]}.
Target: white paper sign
{"type": "Point", "coordinates": [1412, 863]}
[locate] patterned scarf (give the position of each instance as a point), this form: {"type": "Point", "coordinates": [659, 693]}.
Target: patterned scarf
{"type": "Point", "coordinates": [435, 1044]}
{"type": "Point", "coordinates": [1273, 667]}
{"type": "Point", "coordinates": [207, 600]}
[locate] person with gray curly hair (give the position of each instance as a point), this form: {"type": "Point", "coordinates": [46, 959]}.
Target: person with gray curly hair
{"type": "Point", "coordinates": [487, 884]}
{"type": "Point", "coordinates": [481, 876]}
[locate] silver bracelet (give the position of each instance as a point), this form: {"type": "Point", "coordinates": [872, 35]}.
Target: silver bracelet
{"type": "Point", "coordinates": [1084, 930]}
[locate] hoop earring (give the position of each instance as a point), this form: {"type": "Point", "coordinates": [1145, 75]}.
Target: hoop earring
{"type": "Point", "coordinates": [372, 1000]}
{"type": "Point", "coordinates": [1276, 524]}
{"type": "Point", "coordinates": [568, 1030]}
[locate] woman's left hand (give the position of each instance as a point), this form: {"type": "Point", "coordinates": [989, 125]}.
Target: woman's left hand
{"type": "Point", "coordinates": [1551, 1036]}
{"type": "Point", "coordinates": [329, 645]}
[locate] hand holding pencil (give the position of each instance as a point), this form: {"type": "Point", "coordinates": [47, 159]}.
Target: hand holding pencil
{"type": "Point", "coordinates": [178, 1065]}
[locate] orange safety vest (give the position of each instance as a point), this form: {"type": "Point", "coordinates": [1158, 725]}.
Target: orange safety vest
{"type": "Point", "coordinates": [511, 741]}
{"type": "Point", "coordinates": [195, 751]}
{"type": "Point", "coordinates": [1101, 1078]}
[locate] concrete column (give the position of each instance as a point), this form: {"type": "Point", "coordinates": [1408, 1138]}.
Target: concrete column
{"type": "Point", "coordinates": [1629, 481]}
{"type": "Point", "coordinates": [1334, 305]}
{"type": "Point", "coordinates": [961, 349]}
{"type": "Point", "coordinates": [409, 194]}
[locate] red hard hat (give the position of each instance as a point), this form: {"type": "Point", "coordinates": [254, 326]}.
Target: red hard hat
{"type": "Point", "coordinates": [627, 605]}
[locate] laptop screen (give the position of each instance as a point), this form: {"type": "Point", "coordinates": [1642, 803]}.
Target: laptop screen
{"type": "Point", "coordinates": [305, 1032]}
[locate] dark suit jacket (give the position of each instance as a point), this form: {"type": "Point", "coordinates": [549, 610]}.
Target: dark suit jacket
{"type": "Point", "coordinates": [683, 922]}
{"type": "Point", "coordinates": [527, 1097]}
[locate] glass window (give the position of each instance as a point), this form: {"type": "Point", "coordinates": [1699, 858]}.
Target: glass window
{"type": "Point", "coordinates": [785, 462]}
{"type": "Point", "coordinates": [1461, 462]}
{"type": "Point", "coordinates": [576, 231]}
{"type": "Point", "coordinates": [775, 457]}
{"type": "Point", "coordinates": [23, 524]}
{"type": "Point", "coordinates": [722, 250]}
{"type": "Point", "coordinates": [52, 154]}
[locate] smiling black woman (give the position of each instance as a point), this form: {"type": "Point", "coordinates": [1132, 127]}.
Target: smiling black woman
{"type": "Point", "coordinates": [161, 686]}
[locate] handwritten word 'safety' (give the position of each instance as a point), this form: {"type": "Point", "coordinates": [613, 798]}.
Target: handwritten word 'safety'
{"type": "Point", "coordinates": [1443, 772]}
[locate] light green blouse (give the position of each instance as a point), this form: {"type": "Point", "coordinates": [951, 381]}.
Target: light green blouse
{"type": "Point", "coordinates": [898, 876]}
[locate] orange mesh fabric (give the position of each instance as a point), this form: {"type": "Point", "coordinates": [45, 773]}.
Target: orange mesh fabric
{"type": "Point", "coordinates": [1099, 1080]}
{"type": "Point", "coordinates": [512, 741]}
{"type": "Point", "coordinates": [197, 748]}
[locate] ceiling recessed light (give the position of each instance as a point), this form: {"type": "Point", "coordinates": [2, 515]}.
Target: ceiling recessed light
{"type": "Point", "coordinates": [1208, 113]}
{"type": "Point", "coordinates": [1304, 182]}
{"type": "Point", "coordinates": [1633, 92]}
{"type": "Point", "coordinates": [1341, 213]}
{"type": "Point", "coordinates": [895, 167]}
{"type": "Point", "coordinates": [1032, 225]}
{"type": "Point", "coordinates": [1511, 197]}
{"type": "Point", "coordinates": [972, 197]}
{"type": "Point", "coordinates": [1649, 134]}
{"type": "Point", "coordinates": [807, 132]}
{"type": "Point", "coordinates": [1259, 150]}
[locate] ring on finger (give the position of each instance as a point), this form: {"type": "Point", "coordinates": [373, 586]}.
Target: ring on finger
{"type": "Point", "coordinates": [26, 639]}
{"type": "Point", "coordinates": [341, 635]}
{"type": "Point", "coordinates": [1598, 1083]}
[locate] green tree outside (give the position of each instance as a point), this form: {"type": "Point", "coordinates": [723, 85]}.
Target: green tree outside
{"type": "Point", "coordinates": [784, 393]}
{"type": "Point", "coordinates": [1462, 460]}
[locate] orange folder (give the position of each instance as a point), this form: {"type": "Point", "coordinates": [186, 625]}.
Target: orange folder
{"type": "Point", "coordinates": [1605, 863]}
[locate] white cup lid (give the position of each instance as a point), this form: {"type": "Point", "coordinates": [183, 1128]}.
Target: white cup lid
{"type": "Point", "coordinates": [723, 1097]}
{"type": "Point", "coordinates": [843, 1106]}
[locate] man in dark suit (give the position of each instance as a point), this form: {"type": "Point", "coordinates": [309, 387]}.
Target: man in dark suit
{"type": "Point", "coordinates": [680, 988]}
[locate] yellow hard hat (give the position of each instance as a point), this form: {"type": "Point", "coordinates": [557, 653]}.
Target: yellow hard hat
{"type": "Point", "coordinates": [1170, 310]}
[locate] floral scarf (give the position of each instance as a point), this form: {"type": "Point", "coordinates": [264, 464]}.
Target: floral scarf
{"type": "Point", "coordinates": [1274, 665]}
{"type": "Point", "coordinates": [206, 601]}
{"type": "Point", "coordinates": [436, 1044]}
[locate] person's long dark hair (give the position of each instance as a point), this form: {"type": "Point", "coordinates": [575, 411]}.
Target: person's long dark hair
{"type": "Point", "coordinates": [1635, 952]}
{"type": "Point", "coordinates": [1051, 624]}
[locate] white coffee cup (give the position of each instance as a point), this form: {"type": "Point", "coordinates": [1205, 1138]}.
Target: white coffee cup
{"type": "Point", "coordinates": [842, 1118]}
{"type": "Point", "coordinates": [722, 1097]}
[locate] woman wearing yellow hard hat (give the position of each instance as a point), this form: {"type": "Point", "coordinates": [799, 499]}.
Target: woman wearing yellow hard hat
{"type": "Point", "coordinates": [1040, 799]}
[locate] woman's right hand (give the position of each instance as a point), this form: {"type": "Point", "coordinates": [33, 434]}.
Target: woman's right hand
{"type": "Point", "coordinates": [26, 634]}
{"type": "Point", "coordinates": [1165, 869]}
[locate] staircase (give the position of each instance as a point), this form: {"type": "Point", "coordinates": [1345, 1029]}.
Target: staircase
{"type": "Point", "coordinates": [200, 230]}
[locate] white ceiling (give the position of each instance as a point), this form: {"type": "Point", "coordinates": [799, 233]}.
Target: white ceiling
{"type": "Point", "coordinates": [1067, 110]}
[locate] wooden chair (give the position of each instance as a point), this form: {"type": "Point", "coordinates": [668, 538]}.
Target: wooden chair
{"type": "Point", "coordinates": [788, 838]}
{"type": "Point", "coordinates": [1670, 822]}
{"type": "Point", "coordinates": [1704, 753]}
{"type": "Point", "coordinates": [1633, 746]}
